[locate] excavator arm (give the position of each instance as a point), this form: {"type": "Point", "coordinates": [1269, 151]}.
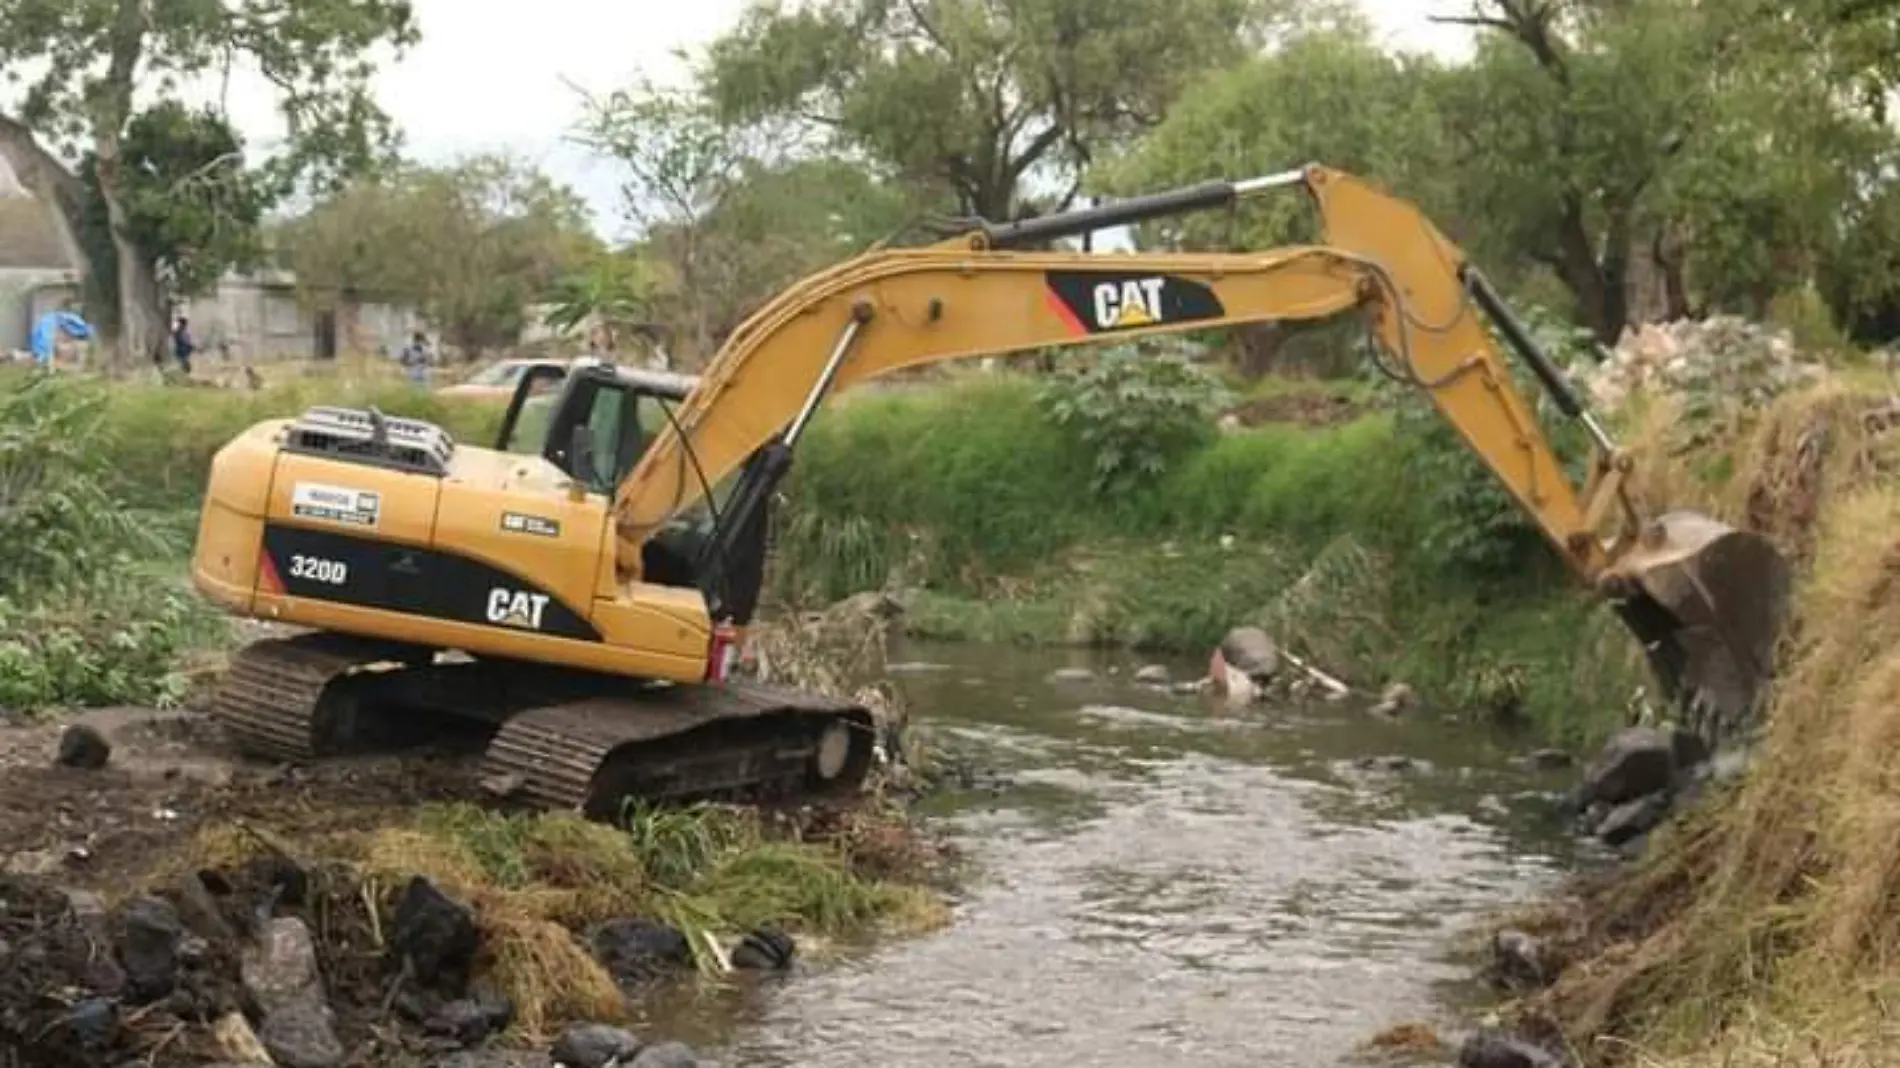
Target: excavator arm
{"type": "Point", "coordinates": [983, 293]}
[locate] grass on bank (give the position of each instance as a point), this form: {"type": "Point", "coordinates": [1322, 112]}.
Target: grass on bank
{"type": "Point", "coordinates": [1377, 546]}
{"type": "Point", "coordinates": [1765, 929]}
{"type": "Point", "coordinates": [539, 883]}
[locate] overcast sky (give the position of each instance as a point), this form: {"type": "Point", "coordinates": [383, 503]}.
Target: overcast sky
{"type": "Point", "coordinates": [500, 74]}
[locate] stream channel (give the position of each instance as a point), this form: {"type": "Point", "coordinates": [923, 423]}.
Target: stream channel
{"type": "Point", "coordinates": [1167, 881]}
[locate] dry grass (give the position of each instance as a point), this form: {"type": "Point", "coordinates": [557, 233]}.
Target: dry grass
{"type": "Point", "coordinates": [538, 882]}
{"type": "Point", "coordinates": [1765, 929]}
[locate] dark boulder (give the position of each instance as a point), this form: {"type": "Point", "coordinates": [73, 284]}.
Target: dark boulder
{"type": "Point", "coordinates": [436, 934]}
{"type": "Point", "coordinates": [81, 746]}
{"type": "Point", "coordinates": [765, 949]}
{"type": "Point", "coordinates": [634, 950]}
{"type": "Point", "coordinates": [1636, 762]}
{"type": "Point", "coordinates": [1488, 1049]}
{"type": "Point", "coordinates": [149, 933]}
{"type": "Point", "coordinates": [594, 1046]}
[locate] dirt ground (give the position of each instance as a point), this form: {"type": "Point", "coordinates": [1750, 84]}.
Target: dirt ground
{"type": "Point", "coordinates": [170, 775]}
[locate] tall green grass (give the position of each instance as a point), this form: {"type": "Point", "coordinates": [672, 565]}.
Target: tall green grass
{"type": "Point", "coordinates": [160, 439]}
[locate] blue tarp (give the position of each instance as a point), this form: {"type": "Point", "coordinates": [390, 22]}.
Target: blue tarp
{"type": "Point", "coordinates": [51, 324]}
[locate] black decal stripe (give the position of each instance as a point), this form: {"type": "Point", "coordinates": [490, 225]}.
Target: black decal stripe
{"type": "Point", "coordinates": [398, 578]}
{"type": "Point", "coordinates": [1183, 300]}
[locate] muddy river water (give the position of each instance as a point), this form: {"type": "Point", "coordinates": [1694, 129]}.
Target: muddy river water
{"type": "Point", "coordinates": [1168, 882]}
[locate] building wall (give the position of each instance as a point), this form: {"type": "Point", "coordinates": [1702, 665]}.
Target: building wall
{"type": "Point", "coordinates": [25, 294]}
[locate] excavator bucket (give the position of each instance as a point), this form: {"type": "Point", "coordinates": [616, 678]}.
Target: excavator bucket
{"type": "Point", "coordinates": [1708, 603]}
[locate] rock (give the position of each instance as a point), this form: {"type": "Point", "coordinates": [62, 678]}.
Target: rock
{"type": "Point", "coordinates": [33, 862]}
{"type": "Point", "coordinates": [147, 947]}
{"type": "Point", "coordinates": [594, 1046]}
{"type": "Point", "coordinates": [1072, 674]}
{"type": "Point", "coordinates": [470, 1020]}
{"type": "Point", "coordinates": [1636, 762]}
{"type": "Point", "coordinates": [301, 1035]}
{"type": "Point", "coordinates": [667, 1055]}
{"type": "Point", "coordinates": [1152, 675]}
{"type": "Point", "coordinates": [95, 1022]}
{"type": "Point", "coordinates": [634, 950]}
{"type": "Point", "coordinates": [1633, 819]}
{"type": "Point", "coordinates": [89, 909]}
{"type": "Point", "coordinates": [1397, 698]}
{"type": "Point", "coordinates": [1492, 1050]}
{"type": "Point", "coordinates": [496, 1058]}
{"type": "Point", "coordinates": [1251, 652]}
{"type": "Point", "coordinates": [764, 949]}
{"type": "Point", "coordinates": [282, 876]}
{"type": "Point", "coordinates": [1517, 959]}
{"type": "Point", "coordinates": [280, 969]}
{"type": "Point", "coordinates": [233, 1040]}
{"type": "Point", "coordinates": [81, 746]}
{"type": "Point", "coordinates": [1230, 682]}
{"type": "Point", "coordinates": [199, 911]}
{"type": "Point", "coordinates": [436, 933]}
{"type": "Point", "coordinates": [1549, 759]}
{"type": "Point", "coordinates": [1188, 688]}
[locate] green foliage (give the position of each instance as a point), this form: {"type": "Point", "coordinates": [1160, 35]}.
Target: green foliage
{"type": "Point", "coordinates": [1333, 96]}
{"type": "Point", "coordinates": [1470, 522]}
{"type": "Point", "coordinates": [192, 206]}
{"type": "Point", "coordinates": [1136, 413]}
{"type": "Point", "coordinates": [614, 288]}
{"type": "Point", "coordinates": [1381, 547]}
{"type": "Point", "coordinates": [83, 617]}
{"type": "Point", "coordinates": [970, 98]}
{"type": "Point", "coordinates": [469, 245]}
{"type": "Point", "coordinates": [91, 53]}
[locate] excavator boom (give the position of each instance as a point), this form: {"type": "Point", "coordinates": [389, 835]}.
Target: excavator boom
{"type": "Point", "coordinates": [561, 594]}
{"type": "Point", "coordinates": [1705, 600]}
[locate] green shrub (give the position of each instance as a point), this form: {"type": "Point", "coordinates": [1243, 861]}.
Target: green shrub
{"type": "Point", "coordinates": [1136, 413]}
{"type": "Point", "coordinates": [87, 615]}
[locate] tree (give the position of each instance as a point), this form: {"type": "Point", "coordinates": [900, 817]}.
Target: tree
{"type": "Point", "coordinates": [470, 246]}
{"type": "Point", "coordinates": [733, 213]}
{"type": "Point", "coordinates": [192, 208]}
{"type": "Point", "coordinates": [616, 289]}
{"type": "Point", "coordinates": [314, 53]}
{"type": "Point", "coordinates": [1333, 97]}
{"type": "Point", "coordinates": [978, 96]}
{"type": "Point", "coordinates": [1593, 136]}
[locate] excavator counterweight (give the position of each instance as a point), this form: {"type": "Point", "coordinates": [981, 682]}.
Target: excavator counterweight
{"type": "Point", "coordinates": [576, 592]}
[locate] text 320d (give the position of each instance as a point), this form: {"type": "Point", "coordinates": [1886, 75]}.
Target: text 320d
{"type": "Point", "coordinates": [318, 569]}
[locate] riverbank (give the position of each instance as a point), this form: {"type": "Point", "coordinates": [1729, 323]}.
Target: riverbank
{"type": "Point", "coordinates": [362, 912]}
{"type": "Point", "coordinates": [1119, 507]}
{"type": "Point", "coordinates": [1758, 928]}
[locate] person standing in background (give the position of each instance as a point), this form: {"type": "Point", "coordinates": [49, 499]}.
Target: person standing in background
{"type": "Point", "coordinates": [416, 359]}
{"type": "Point", "coordinates": [182, 344]}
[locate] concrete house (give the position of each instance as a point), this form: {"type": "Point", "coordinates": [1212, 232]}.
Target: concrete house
{"type": "Point", "coordinates": [254, 316]}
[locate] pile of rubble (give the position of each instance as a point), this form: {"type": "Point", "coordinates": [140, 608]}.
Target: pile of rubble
{"type": "Point", "coordinates": [1715, 364]}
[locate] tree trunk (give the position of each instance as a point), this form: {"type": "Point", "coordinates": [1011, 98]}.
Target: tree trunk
{"type": "Point", "coordinates": [141, 316]}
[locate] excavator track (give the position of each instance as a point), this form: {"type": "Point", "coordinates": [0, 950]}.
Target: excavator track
{"type": "Point", "coordinates": [728, 741]}
{"type": "Point", "coordinates": [566, 740]}
{"type": "Point", "coordinates": [276, 702]}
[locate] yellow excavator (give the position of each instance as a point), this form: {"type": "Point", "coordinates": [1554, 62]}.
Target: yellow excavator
{"type": "Point", "coordinates": [577, 592]}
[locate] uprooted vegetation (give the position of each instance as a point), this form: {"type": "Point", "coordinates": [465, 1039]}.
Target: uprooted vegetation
{"type": "Point", "coordinates": [1760, 929]}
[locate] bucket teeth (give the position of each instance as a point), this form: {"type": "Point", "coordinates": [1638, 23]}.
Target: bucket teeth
{"type": "Point", "coordinates": [1708, 602]}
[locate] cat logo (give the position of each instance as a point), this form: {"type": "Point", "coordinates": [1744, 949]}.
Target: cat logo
{"type": "Point", "coordinates": [1130, 303]}
{"type": "Point", "coordinates": [513, 608]}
